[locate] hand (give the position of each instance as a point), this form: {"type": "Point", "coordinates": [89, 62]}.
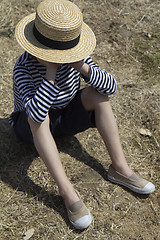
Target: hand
{"type": "Point", "coordinates": [77, 65]}
{"type": "Point", "coordinates": [81, 67]}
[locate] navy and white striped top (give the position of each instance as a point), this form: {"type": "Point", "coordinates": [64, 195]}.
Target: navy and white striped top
{"type": "Point", "coordinates": [36, 95]}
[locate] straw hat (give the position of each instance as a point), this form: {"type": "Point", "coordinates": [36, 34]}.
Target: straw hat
{"type": "Point", "coordinates": [56, 33]}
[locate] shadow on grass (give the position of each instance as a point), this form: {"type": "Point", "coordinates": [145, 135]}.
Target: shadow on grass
{"type": "Point", "coordinates": [16, 157]}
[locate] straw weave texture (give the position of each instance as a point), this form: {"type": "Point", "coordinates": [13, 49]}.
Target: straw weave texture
{"type": "Point", "coordinates": [68, 26]}
{"type": "Point", "coordinates": [59, 20]}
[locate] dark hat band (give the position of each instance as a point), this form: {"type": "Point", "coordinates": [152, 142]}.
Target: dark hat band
{"type": "Point", "coordinates": [59, 45]}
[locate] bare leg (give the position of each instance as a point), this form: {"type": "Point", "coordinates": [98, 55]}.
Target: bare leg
{"type": "Point", "coordinates": [47, 149]}
{"type": "Point", "coordinates": [107, 127]}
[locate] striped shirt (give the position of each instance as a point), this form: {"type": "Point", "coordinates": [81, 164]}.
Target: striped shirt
{"type": "Point", "coordinates": [36, 95]}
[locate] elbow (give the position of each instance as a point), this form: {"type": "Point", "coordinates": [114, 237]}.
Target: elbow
{"type": "Point", "coordinates": [37, 118]}
{"type": "Point", "coordinates": [35, 115]}
{"type": "Point", "coordinates": [114, 88]}
{"type": "Point", "coordinates": [33, 123]}
{"type": "Point", "coordinates": [35, 112]}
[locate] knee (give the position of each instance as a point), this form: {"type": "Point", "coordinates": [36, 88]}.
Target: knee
{"type": "Point", "coordinates": [91, 98]}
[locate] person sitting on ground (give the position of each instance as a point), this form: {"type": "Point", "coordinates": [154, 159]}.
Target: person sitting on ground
{"type": "Point", "coordinates": [49, 102]}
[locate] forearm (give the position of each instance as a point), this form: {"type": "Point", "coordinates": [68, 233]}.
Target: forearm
{"type": "Point", "coordinates": [47, 149]}
{"type": "Point", "coordinates": [101, 80]}
{"type": "Point", "coordinates": [38, 105]}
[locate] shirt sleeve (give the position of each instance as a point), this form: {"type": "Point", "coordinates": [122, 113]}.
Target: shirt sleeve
{"type": "Point", "coordinates": [37, 102]}
{"type": "Point", "coordinates": [101, 80]}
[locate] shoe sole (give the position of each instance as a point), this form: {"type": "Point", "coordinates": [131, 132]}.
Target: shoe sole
{"type": "Point", "coordinates": [131, 187]}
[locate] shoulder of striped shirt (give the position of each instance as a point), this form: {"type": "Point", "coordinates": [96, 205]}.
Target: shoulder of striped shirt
{"type": "Point", "coordinates": [23, 62]}
{"type": "Point", "coordinates": [23, 58]}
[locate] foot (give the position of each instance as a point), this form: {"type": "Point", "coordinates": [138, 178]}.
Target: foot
{"type": "Point", "coordinates": [133, 182]}
{"type": "Point", "coordinates": [78, 213]}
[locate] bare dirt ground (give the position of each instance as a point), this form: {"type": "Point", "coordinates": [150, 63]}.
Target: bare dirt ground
{"type": "Point", "coordinates": [128, 44]}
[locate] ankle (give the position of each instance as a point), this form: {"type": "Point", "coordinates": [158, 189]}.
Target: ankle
{"type": "Point", "coordinates": [123, 169]}
{"type": "Point", "coordinates": [69, 195]}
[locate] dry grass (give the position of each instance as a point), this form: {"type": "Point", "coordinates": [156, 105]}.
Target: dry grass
{"type": "Point", "coordinates": [29, 197]}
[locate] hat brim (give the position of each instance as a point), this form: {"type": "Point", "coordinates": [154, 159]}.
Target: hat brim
{"type": "Point", "coordinates": [26, 39]}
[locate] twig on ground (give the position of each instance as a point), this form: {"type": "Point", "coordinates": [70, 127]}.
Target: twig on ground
{"type": "Point", "coordinates": [11, 197]}
{"type": "Point", "coordinates": [140, 20]}
{"type": "Point", "coordinates": [109, 196]}
{"type": "Point", "coordinates": [153, 208]}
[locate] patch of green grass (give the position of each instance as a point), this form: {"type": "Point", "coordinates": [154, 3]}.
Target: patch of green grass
{"type": "Point", "coordinates": [147, 50]}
